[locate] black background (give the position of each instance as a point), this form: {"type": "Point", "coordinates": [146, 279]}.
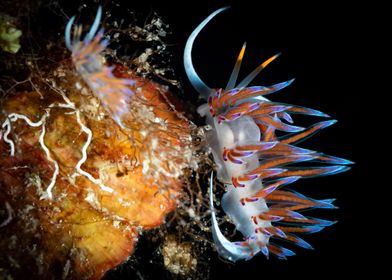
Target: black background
{"type": "Point", "coordinates": [326, 47]}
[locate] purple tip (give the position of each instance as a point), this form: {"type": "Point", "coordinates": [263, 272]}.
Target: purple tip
{"type": "Point", "coordinates": [235, 116]}
{"type": "Point", "coordinates": [266, 232]}
{"type": "Point", "coordinates": [276, 218]}
{"type": "Point", "coordinates": [237, 161]}
{"type": "Point", "coordinates": [252, 237]}
{"type": "Point", "coordinates": [252, 177]}
{"type": "Point", "coordinates": [221, 119]}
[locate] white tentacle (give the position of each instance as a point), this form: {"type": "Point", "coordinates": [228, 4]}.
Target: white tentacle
{"type": "Point", "coordinates": [197, 83]}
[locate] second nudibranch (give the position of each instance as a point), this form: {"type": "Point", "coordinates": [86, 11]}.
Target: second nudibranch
{"type": "Point", "coordinates": [254, 163]}
{"type": "Point", "coordinates": [87, 56]}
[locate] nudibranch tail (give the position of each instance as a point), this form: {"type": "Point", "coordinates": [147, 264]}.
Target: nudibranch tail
{"type": "Point", "coordinates": [256, 164]}
{"type": "Point", "coordinates": [87, 56]}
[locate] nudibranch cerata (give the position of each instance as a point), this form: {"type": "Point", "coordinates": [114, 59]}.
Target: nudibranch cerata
{"type": "Point", "coordinates": [254, 163]}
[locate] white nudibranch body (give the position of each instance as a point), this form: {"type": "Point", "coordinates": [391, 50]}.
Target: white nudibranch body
{"type": "Point", "coordinates": [253, 162]}
{"type": "Point", "coordinates": [240, 132]}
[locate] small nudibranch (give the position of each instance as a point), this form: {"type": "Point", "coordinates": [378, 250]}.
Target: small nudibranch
{"type": "Point", "coordinates": [254, 163]}
{"type": "Point", "coordinates": [114, 93]}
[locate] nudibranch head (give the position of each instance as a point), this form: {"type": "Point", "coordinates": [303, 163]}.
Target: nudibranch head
{"type": "Point", "coordinates": [255, 163]}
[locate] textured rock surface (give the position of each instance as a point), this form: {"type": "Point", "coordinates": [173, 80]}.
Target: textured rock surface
{"type": "Point", "coordinates": [129, 181]}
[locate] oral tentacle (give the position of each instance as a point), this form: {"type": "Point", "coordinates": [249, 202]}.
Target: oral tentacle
{"type": "Point", "coordinates": [194, 78]}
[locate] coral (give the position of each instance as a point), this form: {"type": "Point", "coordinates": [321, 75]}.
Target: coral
{"type": "Point", "coordinates": [78, 188]}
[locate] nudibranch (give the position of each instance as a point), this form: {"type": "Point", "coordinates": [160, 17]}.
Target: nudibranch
{"type": "Point", "coordinates": [254, 163]}
{"type": "Point", "coordinates": [114, 93]}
